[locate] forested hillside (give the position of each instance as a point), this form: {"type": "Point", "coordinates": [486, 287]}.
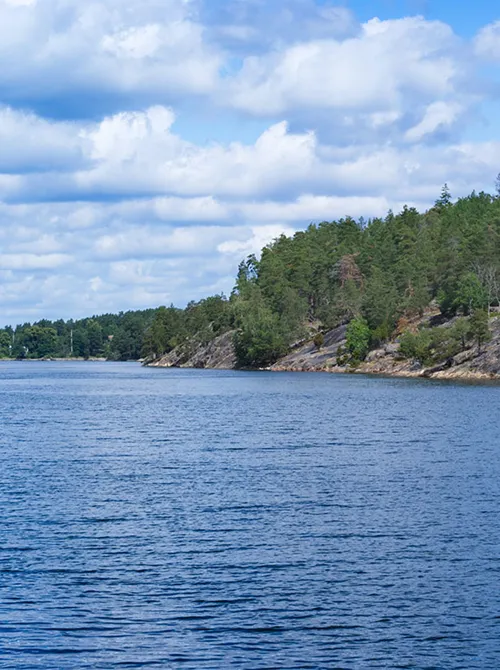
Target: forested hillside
{"type": "Point", "coordinates": [376, 274]}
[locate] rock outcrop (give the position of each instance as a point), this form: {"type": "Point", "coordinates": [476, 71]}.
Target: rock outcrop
{"type": "Point", "coordinates": [308, 357]}
{"type": "Point", "coordinates": [218, 354]}
{"type": "Point", "coordinates": [473, 363]}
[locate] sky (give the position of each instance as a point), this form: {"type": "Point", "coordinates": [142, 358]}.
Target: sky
{"type": "Point", "coordinates": [147, 146]}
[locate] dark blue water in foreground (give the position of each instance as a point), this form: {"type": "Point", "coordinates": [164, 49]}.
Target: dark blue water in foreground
{"type": "Point", "coordinates": [196, 519]}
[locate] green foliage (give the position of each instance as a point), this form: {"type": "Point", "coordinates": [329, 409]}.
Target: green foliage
{"type": "Point", "coordinates": [471, 294]}
{"type": "Point", "coordinates": [115, 336]}
{"type": "Point", "coordinates": [417, 346]}
{"type": "Point", "coordinates": [445, 198]}
{"type": "Point", "coordinates": [371, 272]}
{"type": "Point", "coordinates": [358, 337]}
{"type": "Point", "coordinates": [380, 334]}
{"type": "Point", "coordinates": [461, 332]}
{"type": "Point", "coordinates": [5, 343]}
{"type": "Point", "coordinates": [380, 305]}
{"type": "Point", "coordinates": [479, 327]}
{"type": "Point", "coordinates": [165, 332]}
{"type": "Point", "coordinates": [434, 345]}
{"type": "Point", "coordinates": [37, 341]}
{"type": "Point", "coordinates": [260, 339]}
{"type": "Point", "coordinates": [319, 340]}
{"type": "Point", "coordinates": [348, 301]}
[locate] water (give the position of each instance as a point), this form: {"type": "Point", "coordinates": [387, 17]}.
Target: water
{"type": "Point", "coordinates": [201, 519]}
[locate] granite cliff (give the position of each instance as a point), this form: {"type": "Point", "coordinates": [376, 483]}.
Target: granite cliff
{"type": "Point", "coordinates": [216, 354]}
{"type": "Point", "coordinates": [471, 363]}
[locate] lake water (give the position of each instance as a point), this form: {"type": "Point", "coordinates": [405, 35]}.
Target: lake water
{"type": "Point", "coordinates": [208, 520]}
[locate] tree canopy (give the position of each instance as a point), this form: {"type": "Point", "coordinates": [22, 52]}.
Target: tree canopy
{"type": "Point", "coordinates": [374, 272]}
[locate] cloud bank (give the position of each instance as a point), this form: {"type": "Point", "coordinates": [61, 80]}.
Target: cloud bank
{"type": "Point", "coordinates": [106, 205]}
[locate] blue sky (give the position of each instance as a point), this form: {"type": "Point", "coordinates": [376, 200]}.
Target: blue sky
{"type": "Point", "coordinates": [147, 146]}
{"type": "Point", "coordinates": [466, 18]}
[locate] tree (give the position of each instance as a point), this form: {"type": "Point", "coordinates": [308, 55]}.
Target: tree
{"type": "Point", "coordinates": [358, 340]}
{"type": "Point", "coordinates": [348, 301]}
{"type": "Point", "coordinates": [347, 270]}
{"type": "Point", "coordinates": [5, 344]}
{"type": "Point", "coordinates": [38, 342]}
{"type": "Point", "coordinates": [247, 274]}
{"type": "Point", "coordinates": [471, 294]}
{"type": "Point", "coordinates": [81, 347]}
{"type": "Point", "coordinates": [461, 331]}
{"type": "Point", "coordinates": [479, 327]}
{"type": "Point", "coordinates": [260, 340]}
{"type": "Point", "coordinates": [380, 305]}
{"type": "Point", "coordinates": [417, 346]}
{"type": "Point", "coordinates": [444, 199]}
{"type": "Point", "coordinates": [95, 341]}
{"type": "Point", "coordinates": [488, 275]}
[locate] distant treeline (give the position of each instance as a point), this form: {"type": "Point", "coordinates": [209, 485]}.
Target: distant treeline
{"type": "Point", "coordinates": [374, 273]}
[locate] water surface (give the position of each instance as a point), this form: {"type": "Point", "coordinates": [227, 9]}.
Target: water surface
{"type": "Point", "coordinates": [202, 519]}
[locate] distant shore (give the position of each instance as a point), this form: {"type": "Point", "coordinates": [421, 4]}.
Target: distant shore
{"type": "Point", "coordinates": [55, 360]}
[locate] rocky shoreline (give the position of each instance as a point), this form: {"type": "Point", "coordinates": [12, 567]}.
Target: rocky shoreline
{"type": "Point", "coordinates": [470, 364]}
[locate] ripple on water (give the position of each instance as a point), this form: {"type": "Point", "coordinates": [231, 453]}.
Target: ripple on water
{"type": "Point", "coordinates": [164, 518]}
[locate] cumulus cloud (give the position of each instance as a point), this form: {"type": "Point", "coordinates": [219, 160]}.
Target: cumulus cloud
{"type": "Point", "coordinates": [33, 261]}
{"type": "Point", "coordinates": [134, 156]}
{"type": "Point", "coordinates": [248, 27]}
{"type": "Point", "coordinates": [106, 205]}
{"type": "Point", "coordinates": [102, 52]}
{"type": "Point", "coordinates": [487, 42]}
{"type": "Point", "coordinates": [138, 151]}
{"type": "Point", "coordinates": [30, 143]}
{"type": "Point", "coordinates": [382, 79]}
{"type": "Point", "coordinates": [438, 115]}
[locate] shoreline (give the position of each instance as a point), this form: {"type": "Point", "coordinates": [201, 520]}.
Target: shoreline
{"type": "Point", "coordinates": [447, 375]}
{"type": "Point", "coordinates": [458, 376]}
{"type": "Point", "coordinates": [59, 360]}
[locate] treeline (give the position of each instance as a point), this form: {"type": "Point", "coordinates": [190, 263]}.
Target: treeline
{"type": "Point", "coordinates": [112, 336]}
{"type": "Point", "coordinates": [375, 274]}
{"type": "Point", "coordinates": [117, 337]}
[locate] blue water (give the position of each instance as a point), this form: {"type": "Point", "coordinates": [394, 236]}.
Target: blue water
{"type": "Point", "coordinates": [202, 519]}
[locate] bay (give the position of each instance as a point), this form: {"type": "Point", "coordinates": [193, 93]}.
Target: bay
{"type": "Point", "coordinates": [212, 519]}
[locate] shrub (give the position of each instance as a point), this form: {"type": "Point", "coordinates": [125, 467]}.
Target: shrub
{"type": "Point", "coordinates": [432, 345]}
{"type": "Point", "coordinates": [358, 337]}
{"type": "Point", "coordinates": [319, 340]}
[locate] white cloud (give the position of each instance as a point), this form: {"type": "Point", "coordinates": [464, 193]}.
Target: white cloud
{"type": "Point", "coordinates": [375, 84]}
{"type": "Point", "coordinates": [254, 24]}
{"type": "Point", "coordinates": [315, 208]}
{"type": "Point", "coordinates": [33, 261]}
{"type": "Point", "coordinates": [30, 143]}
{"type": "Point", "coordinates": [487, 42]}
{"type": "Point", "coordinates": [138, 152]}
{"type": "Point", "coordinates": [368, 71]}
{"type": "Point", "coordinates": [139, 48]}
{"type": "Point", "coordinates": [438, 115]}
{"type": "Point", "coordinates": [138, 42]}
{"type": "Point", "coordinates": [19, 3]}
{"type": "Point", "coordinates": [117, 209]}
{"type": "Point", "coordinates": [260, 236]}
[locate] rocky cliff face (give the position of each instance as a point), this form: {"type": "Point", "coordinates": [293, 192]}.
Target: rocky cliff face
{"type": "Point", "coordinates": [217, 354]}
{"type": "Point", "coordinates": [309, 358]}
{"type": "Point", "coordinates": [473, 363]}
{"type": "Point", "coordinates": [469, 364]}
